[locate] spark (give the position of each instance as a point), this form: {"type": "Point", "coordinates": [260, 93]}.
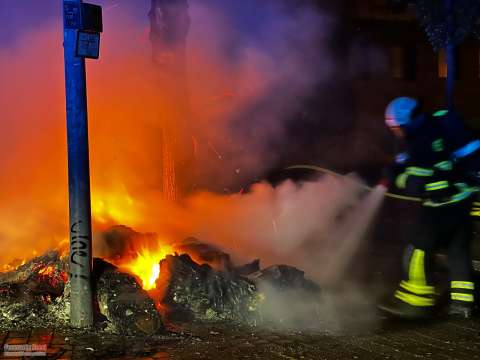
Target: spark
{"type": "Point", "coordinates": [195, 146]}
{"type": "Point", "coordinates": [169, 176]}
{"type": "Point", "coordinates": [113, 6]}
{"type": "Point", "coordinates": [215, 150]}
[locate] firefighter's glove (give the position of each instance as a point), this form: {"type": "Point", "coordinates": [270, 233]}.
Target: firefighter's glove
{"type": "Point", "coordinates": [401, 181]}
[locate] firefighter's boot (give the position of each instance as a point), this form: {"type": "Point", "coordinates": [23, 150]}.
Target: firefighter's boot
{"type": "Point", "coordinates": [460, 310]}
{"type": "Point", "coordinates": [407, 305]}
{"type": "Point", "coordinates": [414, 298]}
{"type": "Point", "coordinates": [461, 299]}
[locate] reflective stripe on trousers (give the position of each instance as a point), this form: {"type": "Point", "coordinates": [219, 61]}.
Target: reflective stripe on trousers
{"type": "Point", "coordinates": [415, 291]}
{"type": "Point", "coordinates": [462, 291]}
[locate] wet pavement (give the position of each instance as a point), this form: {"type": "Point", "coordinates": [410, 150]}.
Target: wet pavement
{"type": "Point", "coordinates": [445, 339]}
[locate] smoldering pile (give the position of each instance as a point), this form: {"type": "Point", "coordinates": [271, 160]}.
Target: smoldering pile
{"type": "Point", "coordinates": [197, 283]}
{"type": "Point", "coordinates": [37, 294]}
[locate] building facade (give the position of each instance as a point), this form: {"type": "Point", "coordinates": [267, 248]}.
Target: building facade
{"type": "Point", "coordinates": [390, 56]}
{"type": "Point", "coordinates": [398, 60]}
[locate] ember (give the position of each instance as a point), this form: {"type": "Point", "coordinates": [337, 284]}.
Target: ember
{"type": "Point", "coordinates": [13, 265]}
{"type": "Point", "coordinates": [53, 275]}
{"type": "Point", "coordinates": [189, 280]}
{"type": "Point", "coordinates": [47, 271]}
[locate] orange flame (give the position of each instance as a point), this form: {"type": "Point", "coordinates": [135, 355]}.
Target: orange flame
{"type": "Point", "coordinates": [53, 275]}
{"type": "Point", "coordinates": [146, 265]}
{"type": "Point", "coordinates": [47, 271]}
{"type": "Point", "coordinates": [135, 136]}
{"type": "Point", "coordinates": [114, 206]}
{"type": "Point", "coordinates": [13, 265]}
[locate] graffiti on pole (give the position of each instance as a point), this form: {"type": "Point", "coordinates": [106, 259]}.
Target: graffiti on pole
{"type": "Point", "coordinates": [78, 248]}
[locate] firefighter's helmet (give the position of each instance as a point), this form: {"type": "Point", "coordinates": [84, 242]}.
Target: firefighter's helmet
{"type": "Point", "coordinates": [399, 112]}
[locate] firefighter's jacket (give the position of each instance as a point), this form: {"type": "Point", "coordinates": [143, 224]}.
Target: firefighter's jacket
{"type": "Point", "coordinates": [465, 145]}
{"type": "Point", "coordinates": [429, 172]}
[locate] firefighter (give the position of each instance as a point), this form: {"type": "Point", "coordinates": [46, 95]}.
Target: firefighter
{"type": "Point", "coordinates": [465, 146]}
{"type": "Point", "coordinates": [444, 219]}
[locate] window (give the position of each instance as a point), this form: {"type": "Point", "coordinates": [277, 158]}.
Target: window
{"type": "Point", "coordinates": [403, 62]}
{"type": "Point", "coordinates": [442, 64]}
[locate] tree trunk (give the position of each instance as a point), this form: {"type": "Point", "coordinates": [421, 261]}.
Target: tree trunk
{"type": "Point", "coordinates": [169, 27]}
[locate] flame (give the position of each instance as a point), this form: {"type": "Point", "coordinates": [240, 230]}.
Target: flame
{"type": "Point", "coordinates": [146, 265]}
{"type": "Point", "coordinates": [135, 133]}
{"type": "Point", "coordinates": [47, 271]}
{"type": "Point", "coordinates": [13, 265]}
{"type": "Point", "coordinates": [114, 206]}
{"type": "Point", "coordinates": [53, 275]}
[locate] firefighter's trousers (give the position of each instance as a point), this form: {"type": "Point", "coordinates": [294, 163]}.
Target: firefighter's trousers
{"type": "Point", "coordinates": [448, 227]}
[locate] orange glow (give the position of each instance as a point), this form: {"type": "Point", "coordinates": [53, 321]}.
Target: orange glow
{"type": "Point", "coordinates": [114, 206]}
{"type": "Point", "coordinates": [169, 174]}
{"type": "Point", "coordinates": [14, 265]}
{"type": "Point", "coordinates": [146, 265]}
{"type": "Point", "coordinates": [63, 246]}
{"type": "Point", "coordinates": [139, 136]}
{"type": "Point", "coordinates": [53, 275]}
{"type": "Point", "coordinates": [47, 271]}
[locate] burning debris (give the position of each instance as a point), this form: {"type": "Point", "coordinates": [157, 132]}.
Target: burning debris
{"type": "Point", "coordinates": [192, 291]}
{"type": "Point", "coordinates": [37, 295]}
{"type": "Point", "coordinates": [249, 268]}
{"type": "Point", "coordinates": [284, 277]}
{"type": "Point", "coordinates": [128, 308]}
{"type": "Point", "coordinates": [140, 279]}
{"type": "Point", "coordinates": [203, 253]}
{"type": "Point", "coordinates": [119, 245]}
{"type": "Point", "coordinates": [29, 293]}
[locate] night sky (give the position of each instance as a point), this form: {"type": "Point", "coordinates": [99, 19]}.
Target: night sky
{"type": "Point", "coordinates": [18, 17]}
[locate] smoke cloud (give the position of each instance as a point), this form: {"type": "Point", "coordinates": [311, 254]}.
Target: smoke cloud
{"type": "Point", "coordinates": [250, 65]}
{"type": "Point", "coordinates": [246, 77]}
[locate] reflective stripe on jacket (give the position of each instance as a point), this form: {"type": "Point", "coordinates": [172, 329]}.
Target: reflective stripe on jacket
{"type": "Point", "coordinates": [429, 172]}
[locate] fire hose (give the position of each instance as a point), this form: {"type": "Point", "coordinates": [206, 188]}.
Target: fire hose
{"type": "Point", "coordinates": [366, 187]}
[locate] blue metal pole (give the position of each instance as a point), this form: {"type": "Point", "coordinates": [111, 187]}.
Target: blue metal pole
{"type": "Point", "coordinates": [81, 305]}
{"type": "Point", "coordinates": [450, 53]}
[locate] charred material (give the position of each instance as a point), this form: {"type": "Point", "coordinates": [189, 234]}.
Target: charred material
{"type": "Point", "coordinates": [191, 291]}
{"type": "Point", "coordinates": [248, 269]}
{"type": "Point", "coordinates": [289, 299]}
{"type": "Point", "coordinates": [284, 277]}
{"type": "Point", "coordinates": [37, 294]}
{"type": "Point", "coordinates": [203, 253]}
{"type": "Point", "coordinates": [48, 267]}
{"type": "Point", "coordinates": [123, 302]}
{"type": "Point", "coordinates": [30, 292]}
{"type": "Point", "coordinates": [120, 242]}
